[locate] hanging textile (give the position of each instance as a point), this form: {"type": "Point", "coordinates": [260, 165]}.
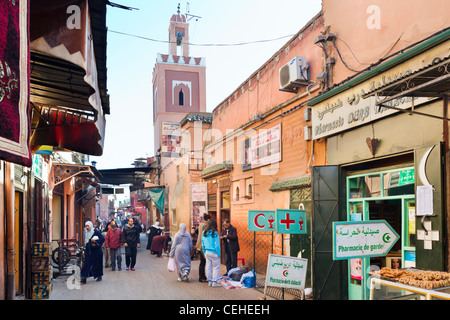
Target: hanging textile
{"type": "Point", "coordinates": [157, 196]}
{"type": "Point", "coordinates": [14, 82]}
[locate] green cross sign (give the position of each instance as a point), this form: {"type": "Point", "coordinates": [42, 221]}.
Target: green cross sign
{"type": "Point", "coordinates": [291, 221]}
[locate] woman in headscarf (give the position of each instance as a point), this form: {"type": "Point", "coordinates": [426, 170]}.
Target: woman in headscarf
{"type": "Point", "coordinates": [93, 253]}
{"type": "Point", "coordinates": [181, 253]}
{"type": "Point", "coordinates": [154, 230]}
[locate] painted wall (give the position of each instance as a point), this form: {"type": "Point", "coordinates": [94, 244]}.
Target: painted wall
{"type": "Point", "coordinates": [370, 30]}
{"type": "Point", "coordinates": [260, 92]}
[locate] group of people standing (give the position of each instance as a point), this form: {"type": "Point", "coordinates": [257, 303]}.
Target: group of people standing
{"type": "Point", "coordinates": [114, 240]}
{"type": "Point", "coordinates": [208, 248]}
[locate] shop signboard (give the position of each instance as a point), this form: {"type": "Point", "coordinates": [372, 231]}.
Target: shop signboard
{"type": "Point", "coordinates": [262, 149]}
{"type": "Point", "coordinates": [199, 202]}
{"type": "Point", "coordinates": [261, 220]}
{"type": "Point", "coordinates": [362, 239]}
{"type": "Point", "coordinates": [170, 139]}
{"type": "Point", "coordinates": [40, 270]}
{"type": "Point", "coordinates": [291, 221]}
{"type": "Point", "coordinates": [286, 272]}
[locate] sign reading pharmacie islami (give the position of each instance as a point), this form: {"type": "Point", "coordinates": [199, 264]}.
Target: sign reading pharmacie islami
{"type": "Point", "coordinates": [285, 272]}
{"type": "Point", "coordinates": [348, 109]}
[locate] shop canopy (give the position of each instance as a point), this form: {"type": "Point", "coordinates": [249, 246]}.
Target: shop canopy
{"type": "Point", "coordinates": [134, 176]}
{"type": "Point", "coordinates": [68, 74]}
{"type": "Point", "coordinates": [432, 81]}
{"type": "Point", "coordinates": [86, 176]}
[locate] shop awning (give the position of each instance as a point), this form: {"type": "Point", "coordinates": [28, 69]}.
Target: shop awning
{"type": "Point", "coordinates": [216, 169]}
{"type": "Point", "coordinates": [62, 172]}
{"type": "Point", "coordinates": [66, 129]}
{"type": "Point", "coordinates": [431, 81]}
{"type": "Point", "coordinates": [291, 183]}
{"type": "Point", "coordinates": [68, 74]}
{"type": "Point", "coordinates": [134, 176]}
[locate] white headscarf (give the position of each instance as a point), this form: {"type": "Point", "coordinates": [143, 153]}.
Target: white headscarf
{"type": "Point", "coordinates": [88, 234]}
{"type": "Point", "coordinates": [156, 225]}
{"type": "Point", "coordinates": [182, 229]}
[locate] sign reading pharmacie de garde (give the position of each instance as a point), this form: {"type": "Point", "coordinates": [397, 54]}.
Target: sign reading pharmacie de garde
{"type": "Point", "coordinates": [286, 272]}
{"type": "Point", "coordinates": [362, 239]}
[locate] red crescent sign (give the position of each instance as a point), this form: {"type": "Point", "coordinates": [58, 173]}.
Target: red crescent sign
{"type": "Point", "coordinates": [256, 220]}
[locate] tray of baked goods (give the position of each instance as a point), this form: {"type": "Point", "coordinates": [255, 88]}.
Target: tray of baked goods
{"type": "Point", "coordinates": [425, 279]}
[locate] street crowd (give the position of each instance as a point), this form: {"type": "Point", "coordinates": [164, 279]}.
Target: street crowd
{"type": "Point", "coordinates": [103, 248]}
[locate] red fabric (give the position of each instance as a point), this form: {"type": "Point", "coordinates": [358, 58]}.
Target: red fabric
{"type": "Point", "coordinates": [14, 82]}
{"type": "Point", "coordinates": [114, 238]}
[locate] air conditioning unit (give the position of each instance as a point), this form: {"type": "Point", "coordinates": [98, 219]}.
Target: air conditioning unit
{"type": "Point", "coordinates": [294, 74]}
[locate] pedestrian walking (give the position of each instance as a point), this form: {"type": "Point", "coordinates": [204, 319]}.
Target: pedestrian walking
{"type": "Point", "coordinates": [93, 259]}
{"type": "Point", "coordinates": [114, 241]}
{"type": "Point", "coordinates": [201, 255]}
{"type": "Point", "coordinates": [131, 241]}
{"type": "Point", "coordinates": [181, 253]}
{"type": "Point", "coordinates": [154, 230]}
{"type": "Point", "coordinates": [231, 242]}
{"type": "Point", "coordinates": [211, 249]}
{"type": "Point", "coordinates": [106, 252]}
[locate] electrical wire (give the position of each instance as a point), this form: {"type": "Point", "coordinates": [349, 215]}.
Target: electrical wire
{"type": "Point", "coordinates": [204, 44]}
{"type": "Point", "coordinates": [354, 56]}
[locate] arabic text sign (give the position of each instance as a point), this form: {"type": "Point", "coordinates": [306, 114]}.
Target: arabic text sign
{"type": "Point", "coordinates": [291, 221]}
{"type": "Point", "coordinates": [357, 239]}
{"type": "Point", "coordinates": [286, 272]}
{"type": "Point", "coordinates": [261, 220]}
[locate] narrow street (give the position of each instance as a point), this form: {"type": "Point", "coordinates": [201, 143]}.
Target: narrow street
{"type": "Point", "coordinates": [150, 281]}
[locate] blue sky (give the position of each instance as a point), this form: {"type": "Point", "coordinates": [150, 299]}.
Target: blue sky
{"type": "Point", "coordinates": [129, 127]}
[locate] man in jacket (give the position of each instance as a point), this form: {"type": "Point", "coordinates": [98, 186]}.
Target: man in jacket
{"type": "Point", "coordinates": [231, 241]}
{"type": "Point", "coordinates": [131, 241]}
{"type": "Point", "coordinates": [114, 242]}
{"type": "Point", "coordinates": [201, 267]}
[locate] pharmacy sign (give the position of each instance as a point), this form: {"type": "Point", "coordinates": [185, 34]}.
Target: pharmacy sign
{"type": "Point", "coordinates": [362, 239]}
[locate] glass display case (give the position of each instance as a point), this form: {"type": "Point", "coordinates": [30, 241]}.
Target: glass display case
{"type": "Point", "coordinates": [381, 289]}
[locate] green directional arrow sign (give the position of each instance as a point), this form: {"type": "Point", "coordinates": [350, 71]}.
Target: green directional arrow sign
{"type": "Point", "coordinates": [362, 239]}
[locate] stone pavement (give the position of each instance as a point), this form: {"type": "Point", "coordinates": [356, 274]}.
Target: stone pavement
{"type": "Point", "coordinates": [150, 281]}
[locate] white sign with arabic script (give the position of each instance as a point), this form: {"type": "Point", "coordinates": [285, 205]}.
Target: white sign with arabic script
{"type": "Point", "coordinates": [286, 272]}
{"type": "Point", "coordinates": [357, 239]}
{"type": "Point", "coordinates": [348, 109]}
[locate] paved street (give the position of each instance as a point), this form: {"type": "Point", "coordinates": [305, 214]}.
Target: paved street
{"type": "Point", "coordinates": [150, 281]}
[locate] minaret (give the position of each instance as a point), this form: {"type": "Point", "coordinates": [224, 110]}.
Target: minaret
{"type": "Point", "coordinates": [179, 85]}
{"type": "Point", "coordinates": [179, 35]}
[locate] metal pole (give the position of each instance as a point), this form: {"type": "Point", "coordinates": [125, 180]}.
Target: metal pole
{"type": "Point", "coordinates": [10, 233]}
{"type": "Point", "coordinates": [282, 253]}
{"type": "Point", "coordinates": [254, 259]}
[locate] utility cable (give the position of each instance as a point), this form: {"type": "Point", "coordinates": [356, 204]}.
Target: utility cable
{"type": "Point", "coordinates": [204, 44]}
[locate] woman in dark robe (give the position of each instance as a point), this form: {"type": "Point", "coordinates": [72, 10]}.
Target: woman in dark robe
{"type": "Point", "coordinates": [154, 230]}
{"type": "Point", "coordinates": [93, 253]}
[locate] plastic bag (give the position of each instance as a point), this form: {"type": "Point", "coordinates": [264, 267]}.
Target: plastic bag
{"type": "Point", "coordinates": [171, 265]}
{"type": "Point", "coordinates": [247, 279]}
{"type": "Point", "coordinates": [236, 275]}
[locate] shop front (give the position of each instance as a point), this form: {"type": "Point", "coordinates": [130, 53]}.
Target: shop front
{"type": "Point", "coordinates": [386, 132]}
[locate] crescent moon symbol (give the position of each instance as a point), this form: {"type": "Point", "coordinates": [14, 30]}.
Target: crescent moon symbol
{"type": "Point", "coordinates": [256, 220]}
{"type": "Point", "coordinates": [423, 162]}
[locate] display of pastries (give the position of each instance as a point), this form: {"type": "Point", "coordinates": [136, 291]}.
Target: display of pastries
{"type": "Point", "coordinates": [418, 278]}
